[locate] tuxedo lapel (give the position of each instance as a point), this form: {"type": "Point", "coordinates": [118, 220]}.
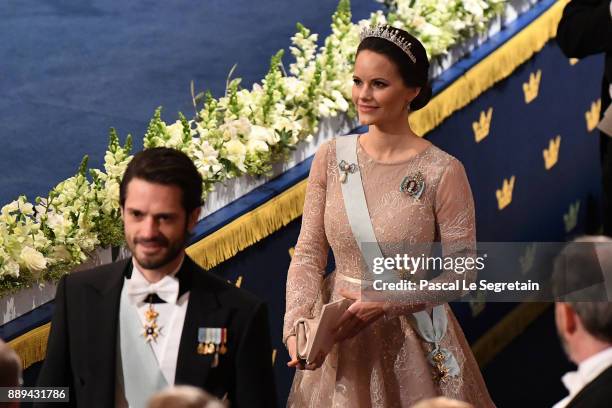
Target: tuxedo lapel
{"type": "Point", "coordinates": [595, 393]}
{"type": "Point", "coordinates": [101, 335]}
{"type": "Point", "coordinates": [203, 310]}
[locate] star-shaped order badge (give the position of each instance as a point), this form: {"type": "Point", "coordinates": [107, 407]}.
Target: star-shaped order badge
{"type": "Point", "coordinates": [151, 329]}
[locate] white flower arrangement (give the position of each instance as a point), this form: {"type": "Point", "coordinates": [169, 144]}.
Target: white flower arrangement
{"type": "Point", "coordinates": [243, 132]}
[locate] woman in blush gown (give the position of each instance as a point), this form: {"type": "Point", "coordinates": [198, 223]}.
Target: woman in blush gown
{"type": "Point", "coordinates": [381, 359]}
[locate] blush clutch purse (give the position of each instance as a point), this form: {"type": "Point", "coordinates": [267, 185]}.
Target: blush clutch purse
{"type": "Point", "coordinates": [316, 335]}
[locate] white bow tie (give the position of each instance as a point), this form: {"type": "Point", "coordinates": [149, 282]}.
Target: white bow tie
{"type": "Point", "coordinates": [167, 289]}
{"type": "Point", "coordinates": [573, 381]}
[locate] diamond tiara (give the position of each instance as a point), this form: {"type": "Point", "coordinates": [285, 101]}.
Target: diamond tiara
{"type": "Point", "coordinates": [388, 34]}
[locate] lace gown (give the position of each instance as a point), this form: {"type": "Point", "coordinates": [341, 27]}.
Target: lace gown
{"type": "Point", "coordinates": [386, 364]}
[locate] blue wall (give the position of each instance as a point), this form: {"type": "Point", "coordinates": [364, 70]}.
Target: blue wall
{"type": "Point", "coordinates": [70, 69]}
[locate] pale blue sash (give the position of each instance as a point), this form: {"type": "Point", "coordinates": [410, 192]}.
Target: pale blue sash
{"type": "Point", "coordinates": [432, 329]}
{"type": "Point", "coordinates": [142, 376]}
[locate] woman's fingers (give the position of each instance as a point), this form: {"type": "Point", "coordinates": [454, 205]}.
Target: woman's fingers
{"type": "Point", "coordinates": [317, 362]}
{"type": "Point", "coordinates": [295, 364]}
{"type": "Point", "coordinates": [345, 318]}
{"type": "Point", "coordinates": [349, 294]}
{"type": "Point", "coordinates": [349, 329]}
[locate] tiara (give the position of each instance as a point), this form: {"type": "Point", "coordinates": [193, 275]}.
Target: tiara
{"type": "Point", "coordinates": [386, 33]}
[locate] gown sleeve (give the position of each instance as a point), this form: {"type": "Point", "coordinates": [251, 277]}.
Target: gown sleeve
{"type": "Point", "coordinates": [307, 268]}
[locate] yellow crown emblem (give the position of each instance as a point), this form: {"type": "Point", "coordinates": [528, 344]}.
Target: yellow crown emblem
{"type": "Point", "coordinates": [551, 155]}
{"type": "Point", "coordinates": [571, 217]}
{"type": "Point", "coordinates": [504, 195]}
{"type": "Point", "coordinates": [238, 282]}
{"type": "Point", "coordinates": [592, 116]}
{"type": "Point", "coordinates": [531, 88]}
{"type": "Point", "coordinates": [481, 128]}
{"type": "Point", "coordinates": [526, 260]}
{"type": "Point", "coordinates": [573, 61]}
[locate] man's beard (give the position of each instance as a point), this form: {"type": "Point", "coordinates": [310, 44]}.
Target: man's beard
{"type": "Point", "coordinates": [173, 251]}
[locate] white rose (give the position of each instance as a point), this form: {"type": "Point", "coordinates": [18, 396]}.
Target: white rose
{"type": "Point", "coordinates": [236, 153]}
{"type": "Point", "coordinates": [32, 259]}
{"type": "Point", "coordinates": [264, 134]}
{"type": "Point", "coordinates": [257, 146]}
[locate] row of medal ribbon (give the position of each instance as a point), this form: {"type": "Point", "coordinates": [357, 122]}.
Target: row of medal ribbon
{"type": "Point", "coordinates": [212, 340]}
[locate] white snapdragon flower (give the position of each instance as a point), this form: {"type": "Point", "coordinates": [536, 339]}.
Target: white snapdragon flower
{"type": "Point", "coordinates": [59, 224]}
{"type": "Point", "coordinates": [327, 107]}
{"type": "Point", "coordinates": [206, 159]}
{"type": "Point", "coordinates": [474, 7]}
{"type": "Point", "coordinates": [294, 87]}
{"type": "Point", "coordinates": [235, 128]}
{"type": "Point", "coordinates": [243, 126]}
{"type": "Point", "coordinates": [11, 207]}
{"type": "Point", "coordinates": [87, 243]}
{"type": "Point", "coordinates": [175, 131]}
{"type": "Point", "coordinates": [111, 189]}
{"type": "Point", "coordinates": [458, 25]}
{"type": "Point", "coordinates": [10, 268]}
{"type": "Point", "coordinates": [341, 102]}
{"type": "Point", "coordinates": [287, 123]}
{"type": "Point", "coordinates": [61, 254]}
{"type": "Point", "coordinates": [431, 30]}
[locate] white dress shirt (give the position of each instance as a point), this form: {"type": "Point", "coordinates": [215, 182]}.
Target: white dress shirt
{"type": "Point", "coordinates": [587, 371]}
{"type": "Point", "coordinates": [170, 320]}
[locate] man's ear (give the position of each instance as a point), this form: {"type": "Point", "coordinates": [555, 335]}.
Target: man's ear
{"type": "Point", "coordinates": [121, 213]}
{"type": "Point", "coordinates": [567, 318]}
{"type": "Point", "coordinates": [193, 218]}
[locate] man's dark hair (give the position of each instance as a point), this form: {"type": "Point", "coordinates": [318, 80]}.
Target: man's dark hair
{"type": "Point", "coordinates": [169, 167]}
{"type": "Point", "coordinates": [586, 261]}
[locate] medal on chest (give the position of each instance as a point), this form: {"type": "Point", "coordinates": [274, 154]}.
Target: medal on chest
{"type": "Point", "coordinates": [151, 328]}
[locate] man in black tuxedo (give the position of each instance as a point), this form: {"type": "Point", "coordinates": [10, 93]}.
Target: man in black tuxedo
{"type": "Point", "coordinates": [585, 327]}
{"type": "Point", "coordinates": [586, 29]}
{"type": "Point", "coordinates": [123, 331]}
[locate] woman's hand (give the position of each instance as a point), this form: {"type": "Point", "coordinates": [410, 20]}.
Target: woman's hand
{"type": "Point", "coordinates": [292, 349]}
{"type": "Point", "coordinates": [299, 364]}
{"type": "Point", "coordinates": [357, 317]}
